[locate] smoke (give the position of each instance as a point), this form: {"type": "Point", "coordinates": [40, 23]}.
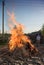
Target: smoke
{"type": "Point", "coordinates": [12, 21]}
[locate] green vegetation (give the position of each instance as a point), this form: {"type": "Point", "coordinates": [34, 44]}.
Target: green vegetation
{"type": "Point", "coordinates": [42, 30]}
{"type": "Point", "coordinates": [4, 38]}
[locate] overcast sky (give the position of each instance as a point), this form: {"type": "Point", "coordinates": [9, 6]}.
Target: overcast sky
{"type": "Point", "coordinates": [30, 13]}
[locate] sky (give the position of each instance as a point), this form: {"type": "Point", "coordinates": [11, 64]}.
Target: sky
{"type": "Point", "coordinates": [30, 13]}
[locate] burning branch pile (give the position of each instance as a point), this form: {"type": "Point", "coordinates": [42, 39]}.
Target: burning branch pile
{"type": "Point", "coordinates": [18, 39]}
{"type": "Point", "coordinates": [19, 46]}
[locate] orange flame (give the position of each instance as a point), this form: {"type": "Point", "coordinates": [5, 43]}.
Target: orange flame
{"type": "Point", "coordinates": [17, 39]}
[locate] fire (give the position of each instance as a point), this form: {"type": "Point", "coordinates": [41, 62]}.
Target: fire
{"type": "Point", "coordinates": [17, 39]}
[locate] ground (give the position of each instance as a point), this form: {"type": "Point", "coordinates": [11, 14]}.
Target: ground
{"type": "Point", "coordinates": [6, 59]}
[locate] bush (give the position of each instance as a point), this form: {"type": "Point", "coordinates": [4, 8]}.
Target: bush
{"type": "Point", "coordinates": [4, 39]}
{"type": "Point", "coordinates": [42, 30]}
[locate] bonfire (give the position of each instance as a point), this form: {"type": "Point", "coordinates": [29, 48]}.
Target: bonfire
{"type": "Point", "coordinates": [18, 39]}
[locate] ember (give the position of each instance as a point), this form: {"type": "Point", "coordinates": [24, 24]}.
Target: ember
{"type": "Point", "coordinates": [18, 39]}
